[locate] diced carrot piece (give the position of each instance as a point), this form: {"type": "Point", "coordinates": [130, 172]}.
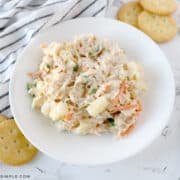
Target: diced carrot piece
{"type": "Point", "coordinates": [139, 105]}
{"type": "Point", "coordinates": [122, 89]}
{"type": "Point", "coordinates": [123, 107]}
{"type": "Point", "coordinates": [35, 75]}
{"type": "Point", "coordinates": [107, 88]}
{"type": "Point", "coordinates": [116, 100]}
{"type": "Point", "coordinates": [127, 106]}
{"type": "Point", "coordinates": [122, 134]}
{"type": "Point", "coordinates": [68, 117]}
{"type": "Point", "coordinates": [84, 68]}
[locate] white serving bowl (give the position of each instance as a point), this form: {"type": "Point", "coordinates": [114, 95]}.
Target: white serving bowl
{"type": "Point", "coordinates": [94, 150]}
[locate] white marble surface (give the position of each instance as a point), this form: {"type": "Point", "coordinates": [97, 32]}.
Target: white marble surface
{"type": "Point", "coordinates": [160, 161]}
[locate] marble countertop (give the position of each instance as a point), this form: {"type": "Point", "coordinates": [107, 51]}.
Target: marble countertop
{"type": "Point", "coordinates": [160, 161]}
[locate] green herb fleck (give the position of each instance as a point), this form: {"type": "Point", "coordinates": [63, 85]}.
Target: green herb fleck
{"type": "Point", "coordinates": [29, 86]}
{"type": "Point", "coordinates": [90, 53]}
{"type": "Point", "coordinates": [75, 68]}
{"type": "Point", "coordinates": [48, 66]}
{"type": "Point", "coordinates": [33, 95]}
{"type": "Point", "coordinates": [111, 121]}
{"type": "Point", "coordinates": [35, 84]}
{"type": "Point", "coordinates": [93, 91]}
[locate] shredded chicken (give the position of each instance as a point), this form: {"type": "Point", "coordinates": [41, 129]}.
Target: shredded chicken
{"type": "Point", "coordinates": [88, 86]}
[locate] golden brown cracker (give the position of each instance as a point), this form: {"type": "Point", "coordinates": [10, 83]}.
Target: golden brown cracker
{"type": "Point", "coordinates": [2, 118]}
{"type": "Point", "coordinates": [14, 148]}
{"type": "Point", "coordinates": [161, 7]}
{"type": "Point", "coordinates": [129, 13]}
{"type": "Point", "coordinates": [159, 28]}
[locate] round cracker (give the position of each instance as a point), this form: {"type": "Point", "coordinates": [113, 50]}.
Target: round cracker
{"type": "Point", "coordinates": [2, 118]}
{"type": "Point", "coordinates": [159, 28]}
{"type": "Point", "coordinates": [129, 13]}
{"type": "Point", "coordinates": [14, 148]}
{"type": "Point", "coordinates": [161, 7]}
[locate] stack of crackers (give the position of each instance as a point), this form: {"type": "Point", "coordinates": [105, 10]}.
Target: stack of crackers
{"type": "Point", "coordinates": [153, 17]}
{"type": "Point", "coordinates": [14, 148]}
